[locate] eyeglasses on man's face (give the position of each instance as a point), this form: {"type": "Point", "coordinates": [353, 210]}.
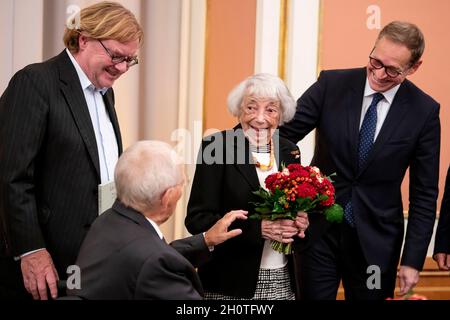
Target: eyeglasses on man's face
{"type": "Point", "coordinates": [131, 61]}
{"type": "Point", "coordinates": [392, 72]}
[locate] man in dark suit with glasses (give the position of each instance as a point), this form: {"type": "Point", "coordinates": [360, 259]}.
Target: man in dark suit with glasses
{"type": "Point", "coordinates": [372, 125]}
{"type": "Point", "coordinates": [60, 141]}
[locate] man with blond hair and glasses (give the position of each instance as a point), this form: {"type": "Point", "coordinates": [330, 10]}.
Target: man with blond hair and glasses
{"type": "Point", "coordinates": [372, 125]}
{"type": "Point", "coordinates": [60, 141]}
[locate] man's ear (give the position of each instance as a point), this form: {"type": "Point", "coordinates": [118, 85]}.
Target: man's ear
{"type": "Point", "coordinates": [82, 41]}
{"type": "Point", "coordinates": [167, 197]}
{"type": "Point", "coordinates": [414, 68]}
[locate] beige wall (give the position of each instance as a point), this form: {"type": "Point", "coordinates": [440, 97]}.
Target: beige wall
{"type": "Point", "coordinates": [230, 51]}
{"type": "Point", "coordinates": [346, 42]}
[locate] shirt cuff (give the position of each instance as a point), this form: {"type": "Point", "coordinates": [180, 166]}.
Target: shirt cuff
{"type": "Point", "coordinates": [210, 248]}
{"type": "Point", "coordinates": [27, 254]}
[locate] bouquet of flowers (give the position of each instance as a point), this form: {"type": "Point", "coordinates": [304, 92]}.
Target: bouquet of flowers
{"type": "Point", "coordinates": [296, 188]}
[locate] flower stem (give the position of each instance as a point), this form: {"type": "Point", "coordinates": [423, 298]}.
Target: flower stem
{"type": "Point", "coordinates": [285, 248]}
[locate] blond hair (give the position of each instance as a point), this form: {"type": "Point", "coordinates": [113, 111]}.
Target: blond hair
{"type": "Point", "coordinates": [104, 20]}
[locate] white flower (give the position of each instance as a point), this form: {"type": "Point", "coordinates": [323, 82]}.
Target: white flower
{"type": "Point", "coordinates": [318, 174]}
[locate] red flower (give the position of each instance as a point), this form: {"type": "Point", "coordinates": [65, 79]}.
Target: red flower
{"type": "Point", "coordinates": [305, 190]}
{"type": "Point", "coordinates": [296, 188]}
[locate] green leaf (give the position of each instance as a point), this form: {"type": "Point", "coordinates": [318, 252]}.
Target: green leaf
{"type": "Point", "coordinates": [263, 210]}
{"type": "Point", "coordinates": [262, 193]}
{"type": "Point", "coordinates": [335, 213]}
{"type": "Point", "coordinates": [278, 207]}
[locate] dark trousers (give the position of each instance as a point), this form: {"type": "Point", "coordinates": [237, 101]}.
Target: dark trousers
{"type": "Point", "coordinates": [338, 256]}
{"type": "Point", "coordinates": [11, 281]}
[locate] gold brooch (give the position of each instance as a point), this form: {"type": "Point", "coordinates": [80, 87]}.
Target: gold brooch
{"type": "Point", "coordinates": [296, 153]}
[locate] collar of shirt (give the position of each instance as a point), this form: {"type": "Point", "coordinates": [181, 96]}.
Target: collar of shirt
{"type": "Point", "coordinates": [155, 226]}
{"type": "Point", "coordinates": [84, 80]}
{"type": "Point", "coordinates": [388, 95]}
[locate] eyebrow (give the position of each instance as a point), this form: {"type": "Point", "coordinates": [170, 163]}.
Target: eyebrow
{"type": "Point", "coordinates": [115, 53]}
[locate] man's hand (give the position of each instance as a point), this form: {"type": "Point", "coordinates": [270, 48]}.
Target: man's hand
{"type": "Point", "coordinates": [443, 261]}
{"type": "Point", "coordinates": [408, 278]}
{"type": "Point", "coordinates": [38, 271]}
{"type": "Point", "coordinates": [219, 233]}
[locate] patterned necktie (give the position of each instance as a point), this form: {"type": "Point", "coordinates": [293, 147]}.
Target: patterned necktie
{"type": "Point", "coordinates": [366, 139]}
{"type": "Point", "coordinates": [367, 132]}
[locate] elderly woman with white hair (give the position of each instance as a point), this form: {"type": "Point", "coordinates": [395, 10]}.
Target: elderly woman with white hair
{"type": "Point", "coordinates": [231, 165]}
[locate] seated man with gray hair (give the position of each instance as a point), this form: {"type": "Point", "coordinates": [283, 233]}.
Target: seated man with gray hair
{"type": "Point", "coordinates": [124, 256]}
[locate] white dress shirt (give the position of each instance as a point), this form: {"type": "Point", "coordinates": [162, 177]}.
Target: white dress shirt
{"type": "Point", "coordinates": [108, 150]}
{"type": "Point", "coordinates": [382, 108]}
{"type": "Point", "coordinates": [270, 258]}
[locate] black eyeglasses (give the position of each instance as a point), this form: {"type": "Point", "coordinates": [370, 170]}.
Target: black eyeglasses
{"type": "Point", "coordinates": [390, 71]}
{"type": "Point", "coordinates": [131, 61]}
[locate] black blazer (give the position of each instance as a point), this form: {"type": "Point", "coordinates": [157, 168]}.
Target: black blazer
{"type": "Point", "coordinates": [222, 186]}
{"type": "Point", "coordinates": [123, 258]}
{"type": "Point", "coordinates": [442, 240]}
{"type": "Point", "coordinates": [49, 166]}
{"type": "Point", "coordinates": [410, 137]}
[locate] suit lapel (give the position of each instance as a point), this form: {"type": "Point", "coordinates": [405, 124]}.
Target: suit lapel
{"type": "Point", "coordinates": [108, 98]}
{"type": "Point", "coordinates": [354, 104]}
{"type": "Point", "coordinates": [284, 154]}
{"type": "Point", "coordinates": [394, 117]}
{"type": "Point", "coordinates": [241, 151]}
{"type": "Point", "coordinates": [73, 93]}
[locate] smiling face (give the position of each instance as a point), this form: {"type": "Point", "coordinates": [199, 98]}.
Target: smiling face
{"type": "Point", "coordinates": [96, 62]}
{"type": "Point", "coordinates": [259, 118]}
{"type": "Point", "coordinates": [393, 55]}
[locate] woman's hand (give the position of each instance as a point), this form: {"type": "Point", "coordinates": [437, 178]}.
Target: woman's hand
{"type": "Point", "coordinates": [302, 223]}
{"type": "Point", "coordinates": [282, 230]}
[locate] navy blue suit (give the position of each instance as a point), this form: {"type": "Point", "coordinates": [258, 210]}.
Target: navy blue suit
{"type": "Point", "coordinates": [409, 137]}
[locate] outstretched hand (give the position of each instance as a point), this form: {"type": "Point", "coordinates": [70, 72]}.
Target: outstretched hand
{"type": "Point", "coordinates": [39, 272]}
{"type": "Point", "coordinates": [219, 233]}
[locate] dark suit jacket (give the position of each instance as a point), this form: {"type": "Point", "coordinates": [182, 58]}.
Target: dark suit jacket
{"type": "Point", "coordinates": [49, 166]}
{"type": "Point", "coordinates": [442, 240]}
{"type": "Point", "coordinates": [410, 137]}
{"type": "Point", "coordinates": [220, 187]}
{"type": "Point", "coordinates": [123, 258]}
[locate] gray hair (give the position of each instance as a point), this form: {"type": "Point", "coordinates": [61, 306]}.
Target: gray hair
{"type": "Point", "coordinates": [144, 172]}
{"type": "Point", "coordinates": [263, 85]}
